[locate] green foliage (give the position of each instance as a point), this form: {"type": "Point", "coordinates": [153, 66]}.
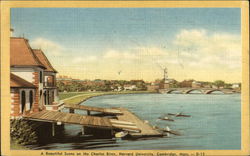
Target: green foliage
{"type": "Point", "coordinates": [66, 95]}
{"type": "Point", "coordinates": [98, 85]}
{"type": "Point", "coordinates": [219, 83]}
{"type": "Point", "coordinates": [16, 146]}
{"type": "Point", "coordinates": [22, 132]}
{"type": "Point", "coordinates": [227, 85]}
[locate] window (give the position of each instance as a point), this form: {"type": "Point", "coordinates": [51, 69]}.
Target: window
{"type": "Point", "coordinates": [23, 101]}
{"type": "Point", "coordinates": [41, 77]}
{"type": "Point", "coordinates": [31, 99]}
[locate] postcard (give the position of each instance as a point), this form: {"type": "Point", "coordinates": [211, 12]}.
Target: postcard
{"type": "Point", "coordinates": [124, 78]}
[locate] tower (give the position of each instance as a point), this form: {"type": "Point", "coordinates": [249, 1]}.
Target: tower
{"type": "Point", "coordinates": [165, 70]}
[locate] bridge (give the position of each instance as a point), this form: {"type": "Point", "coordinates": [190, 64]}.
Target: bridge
{"type": "Point", "coordinates": [201, 90]}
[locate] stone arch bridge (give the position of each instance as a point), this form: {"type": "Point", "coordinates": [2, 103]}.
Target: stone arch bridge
{"type": "Point", "coordinates": [201, 90]}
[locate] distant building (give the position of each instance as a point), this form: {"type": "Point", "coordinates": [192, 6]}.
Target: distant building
{"type": "Point", "coordinates": [186, 83]}
{"type": "Point", "coordinates": [129, 87]}
{"type": "Point", "coordinates": [153, 87]}
{"type": "Point", "coordinates": [207, 86]}
{"type": "Point", "coordinates": [196, 84]}
{"type": "Point", "coordinates": [117, 89]}
{"type": "Point", "coordinates": [214, 87]}
{"type": "Point", "coordinates": [236, 85]}
{"type": "Point", "coordinates": [164, 85]}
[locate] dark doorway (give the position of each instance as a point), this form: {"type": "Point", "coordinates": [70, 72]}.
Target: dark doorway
{"type": "Point", "coordinates": [23, 100]}
{"type": "Point", "coordinates": [31, 99]}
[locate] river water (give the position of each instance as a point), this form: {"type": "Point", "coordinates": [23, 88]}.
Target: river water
{"type": "Point", "coordinates": [215, 122]}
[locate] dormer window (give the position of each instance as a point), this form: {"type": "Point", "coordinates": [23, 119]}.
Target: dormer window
{"type": "Point", "coordinates": [41, 77]}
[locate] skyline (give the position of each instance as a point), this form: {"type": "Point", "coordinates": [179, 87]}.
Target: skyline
{"type": "Point", "coordinates": [131, 43]}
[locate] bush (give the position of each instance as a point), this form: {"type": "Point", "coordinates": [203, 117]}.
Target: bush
{"type": "Point", "coordinates": [23, 132]}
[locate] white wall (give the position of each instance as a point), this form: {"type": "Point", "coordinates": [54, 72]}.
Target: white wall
{"type": "Point", "coordinates": [28, 76]}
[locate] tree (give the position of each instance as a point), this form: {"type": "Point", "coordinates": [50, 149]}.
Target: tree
{"type": "Point", "coordinates": [227, 85]}
{"type": "Point", "coordinates": [61, 86]}
{"type": "Point", "coordinates": [219, 83]}
{"type": "Point", "coordinates": [23, 132]}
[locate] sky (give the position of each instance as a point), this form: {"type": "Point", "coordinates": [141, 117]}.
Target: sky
{"type": "Point", "coordinates": [136, 43]}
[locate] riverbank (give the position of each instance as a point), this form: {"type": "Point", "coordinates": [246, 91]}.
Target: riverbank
{"type": "Point", "coordinates": [83, 96]}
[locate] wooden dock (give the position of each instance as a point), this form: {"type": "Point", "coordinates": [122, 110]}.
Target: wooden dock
{"type": "Point", "coordinates": [69, 118]}
{"type": "Point", "coordinates": [146, 130]}
{"type": "Point", "coordinates": [94, 109]}
{"type": "Point", "coordinates": [123, 121]}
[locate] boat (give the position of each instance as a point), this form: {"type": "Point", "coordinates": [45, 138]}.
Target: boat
{"type": "Point", "coordinates": [172, 132]}
{"type": "Point", "coordinates": [121, 134]}
{"type": "Point", "coordinates": [168, 130]}
{"type": "Point", "coordinates": [179, 115]}
{"type": "Point", "coordinates": [166, 118]}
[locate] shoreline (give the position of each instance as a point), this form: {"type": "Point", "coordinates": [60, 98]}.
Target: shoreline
{"type": "Point", "coordinates": [78, 99]}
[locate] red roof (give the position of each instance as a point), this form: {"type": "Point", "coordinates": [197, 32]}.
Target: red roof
{"type": "Point", "coordinates": [21, 53]}
{"type": "Point", "coordinates": [42, 58]}
{"type": "Point", "coordinates": [17, 82]}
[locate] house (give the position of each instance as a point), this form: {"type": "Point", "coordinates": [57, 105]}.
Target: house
{"type": "Point", "coordinates": [50, 94]}
{"type": "Point", "coordinates": [33, 83]}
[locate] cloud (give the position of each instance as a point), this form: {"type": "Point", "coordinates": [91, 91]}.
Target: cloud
{"type": "Point", "coordinates": [115, 54]}
{"type": "Point", "coordinates": [196, 51]}
{"type": "Point", "coordinates": [48, 46]}
{"type": "Point", "coordinates": [199, 47]}
{"type": "Point", "coordinates": [85, 59]}
{"type": "Point", "coordinates": [186, 38]}
{"type": "Point", "coordinates": [151, 52]}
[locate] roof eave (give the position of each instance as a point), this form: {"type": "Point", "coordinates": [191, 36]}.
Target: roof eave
{"type": "Point", "coordinates": [21, 66]}
{"type": "Point", "coordinates": [23, 87]}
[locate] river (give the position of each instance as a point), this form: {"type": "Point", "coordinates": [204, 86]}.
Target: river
{"type": "Point", "coordinates": [215, 122]}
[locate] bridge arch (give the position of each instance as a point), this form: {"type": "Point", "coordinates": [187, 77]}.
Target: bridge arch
{"type": "Point", "coordinates": [214, 90]}
{"type": "Point", "coordinates": [190, 90]}
{"type": "Point", "coordinates": [173, 90]}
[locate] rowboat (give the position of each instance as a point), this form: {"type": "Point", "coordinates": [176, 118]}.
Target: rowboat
{"type": "Point", "coordinates": [166, 118]}
{"type": "Point", "coordinates": [168, 130]}
{"type": "Point", "coordinates": [121, 134]}
{"type": "Point", "coordinates": [172, 132]}
{"type": "Point", "coordinates": [179, 115]}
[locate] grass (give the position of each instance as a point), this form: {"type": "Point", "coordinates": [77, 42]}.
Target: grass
{"type": "Point", "coordinates": [16, 146]}
{"type": "Point", "coordinates": [86, 95]}
{"type": "Point", "coordinates": [66, 95]}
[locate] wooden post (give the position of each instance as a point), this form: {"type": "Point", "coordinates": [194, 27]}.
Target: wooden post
{"type": "Point", "coordinates": [82, 130]}
{"type": "Point", "coordinates": [53, 129]}
{"type": "Point", "coordinates": [71, 110]}
{"type": "Point", "coordinates": [88, 112]}
{"type": "Point", "coordinates": [112, 132]}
